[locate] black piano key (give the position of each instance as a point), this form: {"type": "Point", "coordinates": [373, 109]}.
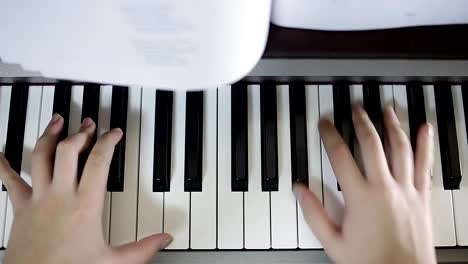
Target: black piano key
{"type": "Point", "coordinates": [239, 138]}
{"type": "Point", "coordinates": [371, 95]}
{"type": "Point", "coordinates": [118, 119]}
{"type": "Point", "coordinates": [62, 98]}
{"type": "Point", "coordinates": [416, 110]}
{"type": "Point", "coordinates": [269, 137]}
{"type": "Point", "coordinates": [193, 142]}
{"type": "Point", "coordinates": [465, 104]}
{"type": "Point", "coordinates": [90, 109]}
{"type": "Point", "coordinates": [162, 141]}
{"type": "Point", "coordinates": [16, 125]}
{"type": "Point", "coordinates": [447, 136]}
{"type": "Point", "coordinates": [298, 124]}
{"type": "Point", "coordinates": [343, 114]}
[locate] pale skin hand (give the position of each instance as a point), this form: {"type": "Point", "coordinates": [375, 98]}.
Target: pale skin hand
{"type": "Point", "coordinates": [59, 220]}
{"type": "Point", "coordinates": [387, 215]}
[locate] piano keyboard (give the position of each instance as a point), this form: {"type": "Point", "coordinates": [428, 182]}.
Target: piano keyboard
{"type": "Point", "coordinates": [215, 168]}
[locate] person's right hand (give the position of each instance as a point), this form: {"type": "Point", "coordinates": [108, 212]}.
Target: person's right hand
{"type": "Point", "coordinates": [387, 216]}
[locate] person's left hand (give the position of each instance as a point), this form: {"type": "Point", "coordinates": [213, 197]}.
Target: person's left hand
{"type": "Point", "coordinates": [60, 220]}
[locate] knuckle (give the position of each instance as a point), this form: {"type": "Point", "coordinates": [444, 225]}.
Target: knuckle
{"type": "Point", "coordinates": [68, 144]}
{"type": "Point", "coordinates": [339, 150]}
{"type": "Point", "coordinates": [98, 158]}
{"type": "Point", "coordinates": [400, 140]}
{"type": "Point", "coordinates": [370, 137]}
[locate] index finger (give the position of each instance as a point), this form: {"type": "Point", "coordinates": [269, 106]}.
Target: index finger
{"type": "Point", "coordinates": [345, 168]}
{"type": "Point", "coordinates": [96, 171]}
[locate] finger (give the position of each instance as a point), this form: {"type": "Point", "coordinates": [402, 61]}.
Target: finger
{"type": "Point", "coordinates": [316, 217]}
{"type": "Point", "coordinates": [94, 179]}
{"type": "Point", "coordinates": [402, 154]}
{"type": "Point", "coordinates": [18, 190]}
{"type": "Point", "coordinates": [388, 152]}
{"type": "Point", "coordinates": [43, 154]}
{"type": "Point", "coordinates": [375, 163]}
{"type": "Point", "coordinates": [66, 158]}
{"type": "Point", "coordinates": [424, 158]}
{"type": "Point", "coordinates": [345, 168]}
{"type": "Point", "coordinates": [142, 251]}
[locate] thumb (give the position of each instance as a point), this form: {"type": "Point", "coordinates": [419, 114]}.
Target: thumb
{"type": "Point", "coordinates": [17, 188]}
{"type": "Point", "coordinates": [316, 217]}
{"type": "Point", "coordinates": [144, 250]}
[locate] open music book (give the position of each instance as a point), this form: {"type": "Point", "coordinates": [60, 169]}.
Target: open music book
{"type": "Point", "coordinates": [182, 44]}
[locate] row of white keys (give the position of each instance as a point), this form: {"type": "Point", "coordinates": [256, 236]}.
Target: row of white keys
{"type": "Point", "coordinates": [306, 238]}
{"type": "Point", "coordinates": [441, 200]}
{"type": "Point", "coordinates": [123, 213]}
{"type": "Point", "coordinates": [332, 198]}
{"type": "Point", "coordinates": [257, 202]}
{"type": "Point", "coordinates": [150, 204]}
{"type": "Point", "coordinates": [460, 197]}
{"type": "Point", "coordinates": [177, 201]}
{"type": "Point", "coordinates": [230, 204]}
{"type": "Point", "coordinates": [5, 96]}
{"type": "Point", "coordinates": [105, 101]}
{"type": "Point", "coordinates": [203, 204]}
{"type": "Point", "coordinates": [283, 202]}
{"type": "Point", "coordinates": [31, 132]}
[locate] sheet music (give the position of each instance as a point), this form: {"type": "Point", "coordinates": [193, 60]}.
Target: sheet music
{"type": "Point", "coordinates": [367, 14]}
{"type": "Point", "coordinates": [159, 43]}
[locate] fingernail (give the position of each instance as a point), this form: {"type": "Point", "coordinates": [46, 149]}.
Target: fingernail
{"type": "Point", "coordinates": [296, 192]}
{"type": "Point", "coordinates": [167, 242]}
{"type": "Point", "coordinates": [117, 131]}
{"type": "Point", "coordinates": [55, 119]}
{"type": "Point", "coordinates": [87, 123]}
{"type": "Point", "coordinates": [429, 130]}
{"type": "Point", "coordinates": [356, 108]}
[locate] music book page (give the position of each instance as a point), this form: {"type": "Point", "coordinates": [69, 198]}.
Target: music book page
{"type": "Point", "coordinates": [158, 43]}
{"type": "Point", "coordinates": [367, 14]}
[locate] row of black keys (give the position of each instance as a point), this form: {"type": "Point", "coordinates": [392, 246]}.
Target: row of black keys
{"type": "Point", "coordinates": [269, 147]}
{"type": "Point", "coordinates": [343, 122]}
{"type": "Point", "coordinates": [61, 105]}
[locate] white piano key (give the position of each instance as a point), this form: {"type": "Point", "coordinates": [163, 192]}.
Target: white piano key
{"type": "Point", "coordinates": [177, 201]}
{"type": "Point", "coordinates": [150, 204]}
{"type": "Point", "coordinates": [47, 106]}
{"type": "Point", "coordinates": [105, 101]}
{"type": "Point", "coordinates": [203, 204]}
{"type": "Point", "coordinates": [387, 99]}
{"type": "Point", "coordinates": [230, 204]}
{"type": "Point", "coordinates": [31, 132]}
{"type": "Point", "coordinates": [386, 95]}
{"type": "Point", "coordinates": [257, 203]}
{"type": "Point", "coordinates": [460, 197]}
{"type": "Point", "coordinates": [5, 96]}
{"type": "Point", "coordinates": [401, 107]}
{"type": "Point", "coordinates": [356, 94]}
{"type": "Point", "coordinates": [357, 98]}
{"type": "Point", "coordinates": [124, 204]}
{"type": "Point", "coordinates": [305, 236]}
{"type": "Point", "coordinates": [332, 198]}
{"type": "Point", "coordinates": [76, 104]}
{"type": "Point", "coordinates": [283, 202]}
{"type": "Point", "coordinates": [441, 200]}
